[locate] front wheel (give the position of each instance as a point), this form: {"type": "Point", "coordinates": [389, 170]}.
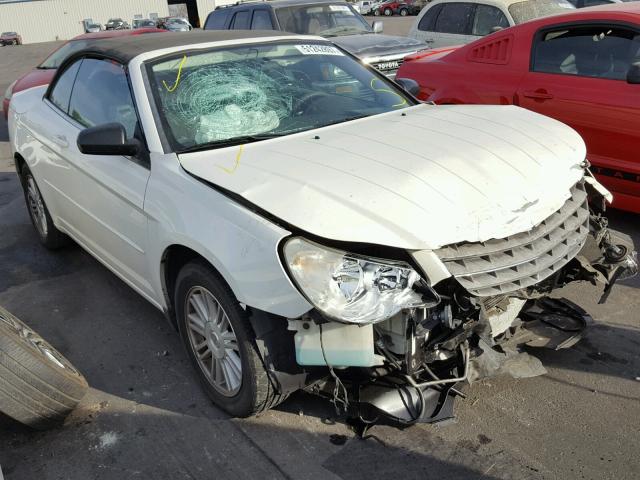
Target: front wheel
{"type": "Point", "coordinates": [377, 13]}
{"type": "Point", "coordinates": [220, 343]}
{"type": "Point", "coordinates": [388, 12]}
{"type": "Point", "coordinates": [403, 12]}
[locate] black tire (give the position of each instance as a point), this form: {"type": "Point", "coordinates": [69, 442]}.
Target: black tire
{"type": "Point", "coordinates": [49, 235]}
{"type": "Point", "coordinates": [376, 13]}
{"type": "Point", "coordinates": [257, 392]}
{"type": "Point", "coordinates": [38, 386]}
{"type": "Point", "coordinates": [404, 12]}
{"type": "Point", "coordinates": [388, 12]}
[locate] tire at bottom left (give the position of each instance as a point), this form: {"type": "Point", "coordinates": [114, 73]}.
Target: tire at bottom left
{"type": "Point", "coordinates": [39, 387]}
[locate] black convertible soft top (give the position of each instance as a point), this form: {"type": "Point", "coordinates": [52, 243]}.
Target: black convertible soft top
{"type": "Point", "coordinates": [123, 49]}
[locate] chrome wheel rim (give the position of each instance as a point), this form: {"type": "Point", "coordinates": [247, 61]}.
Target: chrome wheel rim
{"type": "Point", "coordinates": [36, 207]}
{"type": "Point", "coordinates": [213, 341]}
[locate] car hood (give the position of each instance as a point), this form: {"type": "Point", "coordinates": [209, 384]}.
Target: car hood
{"type": "Point", "coordinates": [35, 78]}
{"type": "Point", "coordinates": [376, 45]}
{"type": "Point", "coordinates": [419, 178]}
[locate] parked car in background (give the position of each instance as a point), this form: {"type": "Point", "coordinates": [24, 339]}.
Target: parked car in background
{"type": "Point", "coordinates": [396, 7]}
{"type": "Point", "coordinates": [336, 20]}
{"type": "Point", "coordinates": [143, 23]}
{"type": "Point", "coordinates": [116, 24]}
{"type": "Point", "coordinates": [10, 38]}
{"type": "Point", "coordinates": [452, 22]}
{"type": "Point", "coordinates": [44, 72]}
{"type": "Point", "coordinates": [306, 223]}
{"type": "Point", "coordinates": [177, 24]}
{"type": "Point", "coordinates": [93, 28]}
{"type": "Point", "coordinates": [365, 7]}
{"type": "Point", "coordinates": [582, 68]}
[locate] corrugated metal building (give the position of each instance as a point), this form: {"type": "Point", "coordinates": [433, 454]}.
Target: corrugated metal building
{"type": "Point", "coordinates": [47, 20]}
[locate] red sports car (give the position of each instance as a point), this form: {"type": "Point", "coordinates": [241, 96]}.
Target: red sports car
{"type": "Point", "coordinates": [582, 68]}
{"type": "Point", "coordinates": [43, 73]}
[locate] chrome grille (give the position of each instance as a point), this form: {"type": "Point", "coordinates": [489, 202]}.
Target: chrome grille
{"type": "Point", "coordinates": [508, 264]}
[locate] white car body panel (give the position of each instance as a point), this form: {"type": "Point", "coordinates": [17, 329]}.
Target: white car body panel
{"type": "Point", "coordinates": [416, 179]}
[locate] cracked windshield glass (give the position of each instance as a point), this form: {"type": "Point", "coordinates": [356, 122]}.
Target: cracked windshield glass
{"type": "Point", "coordinates": [231, 96]}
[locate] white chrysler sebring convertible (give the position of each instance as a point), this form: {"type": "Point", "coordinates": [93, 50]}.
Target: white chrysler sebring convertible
{"type": "Point", "coordinates": [307, 224]}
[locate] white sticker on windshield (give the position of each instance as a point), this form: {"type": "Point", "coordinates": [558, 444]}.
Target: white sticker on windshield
{"type": "Point", "coordinates": [338, 8]}
{"type": "Point", "coordinates": [319, 50]}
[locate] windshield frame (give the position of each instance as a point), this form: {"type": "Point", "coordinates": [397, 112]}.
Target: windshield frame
{"type": "Point", "coordinates": [85, 43]}
{"type": "Point", "coordinates": [368, 29]}
{"type": "Point", "coordinates": [171, 145]}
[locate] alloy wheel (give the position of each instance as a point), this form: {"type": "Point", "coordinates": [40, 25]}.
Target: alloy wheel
{"type": "Point", "coordinates": [36, 207]}
{"type": "Point", "coordinates": [213, 341]}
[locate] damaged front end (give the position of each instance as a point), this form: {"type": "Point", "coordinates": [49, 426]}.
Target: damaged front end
{"type": "Point", "coordinates": [468, 326]}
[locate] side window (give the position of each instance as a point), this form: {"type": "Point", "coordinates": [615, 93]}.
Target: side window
{"type": "Point", "coordinates": [428, 20]}
{"type": "Point", "coordinates": [454, 18]}
{"type": "Point", "coordinates": [587, 51]}
{"type": "Point", "coordinates": [241, 20]}
{"type": "Point", "coordinates": [487, 20]}
{"type": "Point", "coordinates": [593, 3]}
{"type": "Point", "coordinates": [261, 20]}
{"type": "Point", "coordinates": [61, 92]}
{"type": "Point", "coordinates": [114, 102]}
{"type": "Point", "coordinates": [216, 20]}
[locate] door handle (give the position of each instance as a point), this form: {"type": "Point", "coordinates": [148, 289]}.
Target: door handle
{"type": "Point", "coordinates": [537, 94]}
{"type": "Point", "coordinates": [60, 140]}
{"type": "Point", "coordinates": [429, 40]}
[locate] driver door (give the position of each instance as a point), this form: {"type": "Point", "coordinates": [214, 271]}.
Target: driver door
{"type": "Point", "coordinates": [103, 195]}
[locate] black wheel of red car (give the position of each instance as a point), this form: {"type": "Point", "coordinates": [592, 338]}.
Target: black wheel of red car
{"type": "Point", "coordinates": [49, 235]}
{"type": "Point", "coordinates": [39, 387]}
{"type": "Point", "coordinates": [388, 12]}
{"type": "Point", "coordinates": [404, 12]}
{"type": "Point", "coordinates": [221, 343]}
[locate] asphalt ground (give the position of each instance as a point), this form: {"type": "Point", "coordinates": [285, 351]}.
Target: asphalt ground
{"type": "Point", "coordinates": [145, 415]}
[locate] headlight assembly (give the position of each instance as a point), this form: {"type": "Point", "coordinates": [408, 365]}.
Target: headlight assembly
{"type": "Point", "coordinates": [351, 288]}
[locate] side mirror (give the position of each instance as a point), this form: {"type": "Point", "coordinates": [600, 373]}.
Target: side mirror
{"type": "Point", "coordinates": [496, 29]}
{"type": "Point", "coordinates": [409, 85]}
{"type": "Point", "coordinates": [377, 26]}
{"type": "Point", "coordinates": [107, 139]}
{"type": "Point", "coordinates": [633, 75]}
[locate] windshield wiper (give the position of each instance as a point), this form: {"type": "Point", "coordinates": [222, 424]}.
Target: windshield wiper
{"type": "Point", "coordinates": [229, 142]}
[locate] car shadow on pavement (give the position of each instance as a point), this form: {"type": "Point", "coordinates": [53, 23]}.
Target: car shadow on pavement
{"type": "Point", "coordinates": [4, 132]}
{"type": "Point", "coordinates": [113, 439]}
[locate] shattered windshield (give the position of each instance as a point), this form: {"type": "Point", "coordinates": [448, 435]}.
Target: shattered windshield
{"type": "Point", "coordinates": [250, 93]}
{"type": "Point", "coordinates": [530, 9]}
{"type": "Point", "coordinates": [324, 19]}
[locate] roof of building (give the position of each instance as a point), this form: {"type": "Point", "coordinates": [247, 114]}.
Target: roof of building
{"type": "Point", "coordinates": [124, 49]}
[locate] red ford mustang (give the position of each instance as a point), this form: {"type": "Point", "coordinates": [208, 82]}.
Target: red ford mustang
{"type": "Point", "coordinates": [43, 74]}
{"type": "Point", "coordinates": [582, 68]}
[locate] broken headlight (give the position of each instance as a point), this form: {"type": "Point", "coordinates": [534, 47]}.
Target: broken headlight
{"type": "Point", "coordinates": [351, 288]}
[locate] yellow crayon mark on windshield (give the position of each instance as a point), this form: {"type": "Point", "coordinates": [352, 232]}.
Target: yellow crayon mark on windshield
{"type": "Point", "coordinates": [235, 166]}
{"type": "Point", "coordinates": [175, 85]}
{"type": "Point", "coordinates": [386, 90]}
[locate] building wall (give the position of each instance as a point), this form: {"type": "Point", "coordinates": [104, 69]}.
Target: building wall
{"type": "Point", "coordinates": [47, 20]}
